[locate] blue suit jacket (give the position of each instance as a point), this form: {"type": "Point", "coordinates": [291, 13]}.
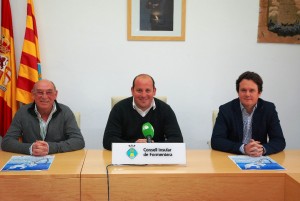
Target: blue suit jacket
{"type": "Point", "coordinates": [227, 134]}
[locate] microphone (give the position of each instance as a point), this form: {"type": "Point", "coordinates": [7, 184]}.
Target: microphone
{"type": "Point", "coordinates": [148, 131]}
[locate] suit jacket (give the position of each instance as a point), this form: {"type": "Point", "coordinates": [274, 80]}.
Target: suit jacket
{"type": "Point", "coordinates": [227, 134]}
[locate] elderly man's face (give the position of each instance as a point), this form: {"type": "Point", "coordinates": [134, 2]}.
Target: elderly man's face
{"type": "Point", "coordinates": [44, 95]}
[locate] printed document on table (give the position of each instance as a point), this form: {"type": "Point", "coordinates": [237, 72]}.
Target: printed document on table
{"type": "Point", "coordinates": [28, 163]}
{"type": "Point", "coordinates": [256, 163]}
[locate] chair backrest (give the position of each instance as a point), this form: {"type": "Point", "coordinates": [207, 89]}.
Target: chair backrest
{"type": "Point", "coordinates": [77, 117]}
{"type": "Point", "coordinates": [214, 116]}
{"type": "Point", "coordinates": [115, 99]}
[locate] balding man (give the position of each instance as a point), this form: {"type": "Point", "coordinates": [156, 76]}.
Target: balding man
{"type": "Point", "coordinates": [44, 126]}
{"type": "Point", "coordinates": [127, 116]}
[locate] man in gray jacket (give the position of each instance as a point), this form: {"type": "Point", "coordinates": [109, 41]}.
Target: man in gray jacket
{"type": "Point", "coordinates": [44, 126]}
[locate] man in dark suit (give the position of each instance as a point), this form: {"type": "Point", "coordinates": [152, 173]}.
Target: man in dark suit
{"type": "Point", "coordinates": [248, 125]}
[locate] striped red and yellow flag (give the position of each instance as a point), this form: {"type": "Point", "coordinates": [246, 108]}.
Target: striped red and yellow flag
{"type": "Point", "coordinates": [8, 75]}
{"type": "Point", "coordinates": [30, 68]}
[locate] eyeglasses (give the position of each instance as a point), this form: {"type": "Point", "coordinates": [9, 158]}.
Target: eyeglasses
{"type": "Point", "coordinates": [41, 93]}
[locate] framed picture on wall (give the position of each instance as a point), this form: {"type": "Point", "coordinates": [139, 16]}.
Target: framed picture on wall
{"type": "Point", "coordinates": [158, 20]}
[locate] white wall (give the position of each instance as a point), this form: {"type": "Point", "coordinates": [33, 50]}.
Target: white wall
{"type": "Point", "coordinates": [84, 50]}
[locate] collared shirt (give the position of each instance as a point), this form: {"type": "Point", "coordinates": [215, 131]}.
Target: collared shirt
{"type": "Point", "coordinates": [43, 124]}
{"type": "Point", "coordinates": [247, 126]}
{"type": "Point", "coordinates": [141, 112]}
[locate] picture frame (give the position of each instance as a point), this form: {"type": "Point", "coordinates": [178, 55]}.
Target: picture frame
{"type": "Point", "coordinates": [278, 24]}
{"type": "Point", "coordinates": [156, 20]}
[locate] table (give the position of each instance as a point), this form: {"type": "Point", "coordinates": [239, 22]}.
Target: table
{"type": "Point", "coordinates": [292, 187]}
{"type": "Point", "coordinates": [208, 175]}
{"type": "Point", "coordinates": [60, 182]}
